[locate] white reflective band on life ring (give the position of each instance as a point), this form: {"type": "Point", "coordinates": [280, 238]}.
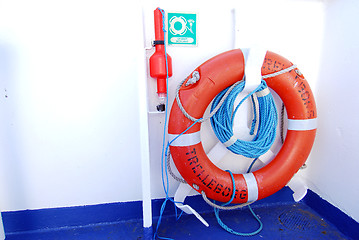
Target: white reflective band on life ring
{"type": "Point", "coordinates": [263, 93]}
{"type": "Point", "coordinates": [230, 141]}
{"type": "Point", "coordinates": [185, 139]}
{"type": "Point", "coordinates": [252, 186]}
{"type": "Point", "coordinates": [302, 124]}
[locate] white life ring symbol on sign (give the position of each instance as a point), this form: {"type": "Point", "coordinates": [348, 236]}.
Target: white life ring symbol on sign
{"type": "Point", "coordinates": [183, 23]}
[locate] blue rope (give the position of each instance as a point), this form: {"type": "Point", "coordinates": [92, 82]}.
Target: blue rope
{"type": "Point", "coordinates": [230, 230]}
{"type": "Point", "coordinates": [222, 122]}
{"type": "Point", "coordinates": [224, 226]}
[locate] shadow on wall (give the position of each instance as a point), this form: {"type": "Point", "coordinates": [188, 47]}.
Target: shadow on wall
{"type": "Point", "coordinates": [336, 96]}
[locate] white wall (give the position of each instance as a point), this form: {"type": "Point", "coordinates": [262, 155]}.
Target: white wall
{"type": "Point", "coordinates": [69, 124]}
{"type": "Point", "coordinates": [333, 169]}
{"type": "Point", "coordinates": [68, 103]}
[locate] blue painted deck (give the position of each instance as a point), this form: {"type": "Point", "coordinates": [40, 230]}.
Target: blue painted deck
{"type": "Point", "coordinates": [282, 219]}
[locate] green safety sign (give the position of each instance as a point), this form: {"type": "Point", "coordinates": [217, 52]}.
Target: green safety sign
{"type": "Point", "coordinates": [182, 29]}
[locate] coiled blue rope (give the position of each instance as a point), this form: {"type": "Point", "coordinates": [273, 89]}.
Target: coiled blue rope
{"type": "Point", "coordinates": [222, 124]}
{"type": "Point", "coordinates": [223, 120]}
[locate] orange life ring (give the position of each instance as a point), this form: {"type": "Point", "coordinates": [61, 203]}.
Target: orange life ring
{"type": "Point", "coordinates": [187, 151]}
